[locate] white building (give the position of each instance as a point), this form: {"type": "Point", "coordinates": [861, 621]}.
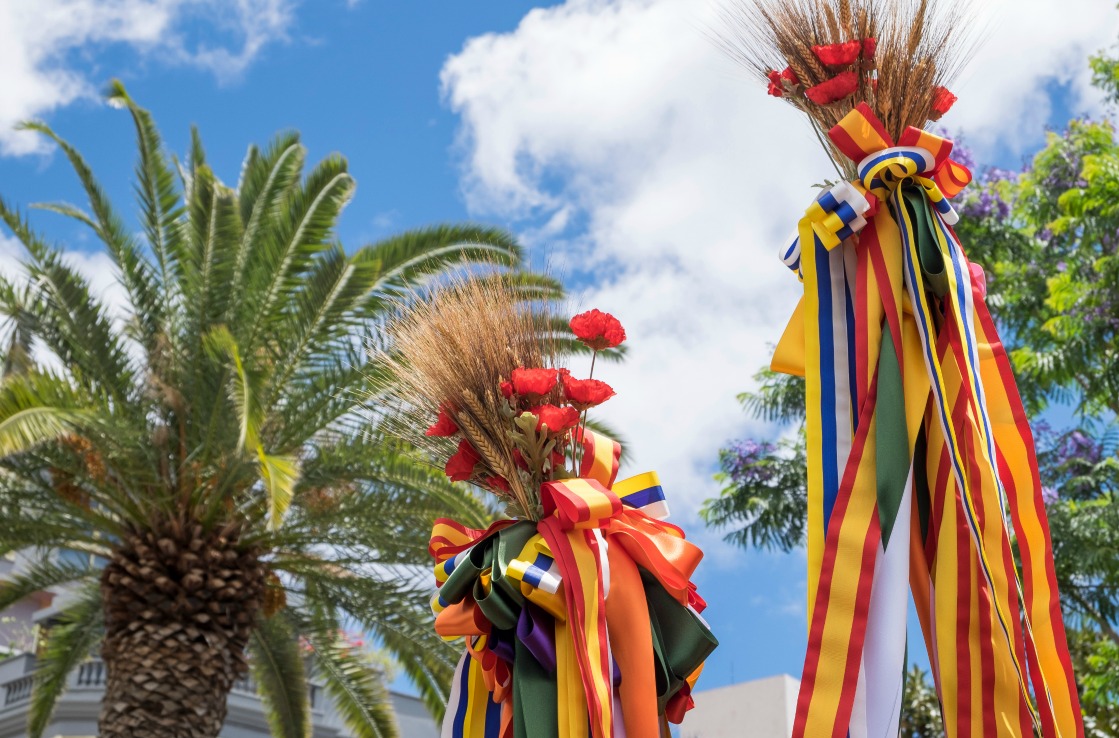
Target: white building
{"type": "Point", "coordinates": [763, 708]}
{"type": "Point", "coordinates": [77, 710]}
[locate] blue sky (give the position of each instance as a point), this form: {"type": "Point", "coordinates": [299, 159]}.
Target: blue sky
{"type": "Point", "coordinates": [628, 154]}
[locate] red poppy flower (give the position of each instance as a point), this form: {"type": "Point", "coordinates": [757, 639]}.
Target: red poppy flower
{"type": "Point", "coordinates": [460, 467]}
{"type": "Point", "coordinates": [534, 381]}
{"type": "Point", "coordinates": [507, 390]}
{"type": "Point", "coordinates": [943, 100]}
{"type": "Point", "coordinates": [444, 426]}
{"type": "Point", "coordinates": [838, 87]}
{"type": "Point", "coordinates": [839, 55]}
{"type": "Point", "coordinates": [558, 419]}
{"type": "Point", "coordinates": [586, 393]}
{"type": "Point", "coordinates": [598, 330]}
{"type": "Point", "coordinates": [870, 46]}
{"type": "Point", "coordinates": [496, 482]}
{"type": "Point", "coordinates": [777, 81]}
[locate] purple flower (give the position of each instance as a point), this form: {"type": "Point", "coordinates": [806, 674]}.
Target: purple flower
{"type": "Point", "coordinates": [1049, 495]}
{"type": "Point", "coordinates": [744, 462]}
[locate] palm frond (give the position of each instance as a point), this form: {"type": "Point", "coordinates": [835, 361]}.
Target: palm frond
{"type": "Point", "coordinates": [159, 198]}
{"type": "Point", "coordinates": [243, 389]}
{"type": "Point", "coordinates": [355, 686]}
{"type": "Point", "coordinates": [396, 611]}
{"type": "Point", "coordinates": [265, 182]}
{"type": "Point", "coordinates": [39, 576]}
{"type": "Point", "coordinates": [280, 475]}
{"type": "Point", "coordinates": [70, 321]}
{"type": "Point", "coordinates": [277, 666]}
{"type": "Point", "coordinates": [407, 259]}
{"type": "Point", "coordinates": [68, 643]}
{"type": "Point", "coordinates": [135, 271]}
{"type": "Point", "coordinates": [358, 692]}
{"type": "Point", "coordinates": [36, 408]}
{"type": "Point", "coordinates": [302, 231]}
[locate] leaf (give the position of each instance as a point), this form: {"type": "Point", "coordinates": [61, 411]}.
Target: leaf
{"type": "Point", "coordinates": [280, 474]}
{"type": "Point", "coordinates": [355, 686]}
{"type": "Point", "coordinates": [41, 575]}
{"type": "Point", "coordinates": [277, 666]}
{"type": "Point", "coordinates": [68, 643]}
{"type": "Point", "coordinates": [36, 408]}
{"type": "Point", "coordinates": [159, 199]}
{"type": "Point", "coordinates": [221, 343]}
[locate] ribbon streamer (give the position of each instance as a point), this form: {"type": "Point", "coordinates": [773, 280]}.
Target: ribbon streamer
{"type": "Point", "coordinates": [921, 462]}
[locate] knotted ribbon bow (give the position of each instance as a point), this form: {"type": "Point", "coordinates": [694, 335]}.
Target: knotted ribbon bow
{"type": "Point", "coordinates": [584, 620]}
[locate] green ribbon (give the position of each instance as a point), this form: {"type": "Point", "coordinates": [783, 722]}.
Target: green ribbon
{"type": "Point", "coordinates": [681, 641]}
{"type": "Point", "coordinates": [892, 452]}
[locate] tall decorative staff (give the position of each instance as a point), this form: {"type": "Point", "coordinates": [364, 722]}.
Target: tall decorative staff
{"type": "Point", "coordinates": [922, 472]}
{"type": "Point", "coordinates": [578, 612]}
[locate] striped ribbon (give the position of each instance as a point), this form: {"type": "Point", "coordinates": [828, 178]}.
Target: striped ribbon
{"type": "Point", "coordinates": [915, 434]}
{"type": "Point", "coordinates": [614, 582]}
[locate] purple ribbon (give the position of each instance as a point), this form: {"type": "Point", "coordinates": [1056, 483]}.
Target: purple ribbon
{"type": "Point", "coordinates": [535, 629]}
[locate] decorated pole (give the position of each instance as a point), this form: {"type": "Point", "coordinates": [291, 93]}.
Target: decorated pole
{"type": "Point", "coordinates": [922, 472]}
{"type": "Point", "coordinates": [577, 609]}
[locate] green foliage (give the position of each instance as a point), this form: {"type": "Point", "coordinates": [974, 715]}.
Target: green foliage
{"type": "Point", "coordinates": [69, 642]}
{"type": "Point", "coordinates": [277, 666]}
{"type": "Point", "coordinates": [232, 387]}
{"type": "Point", "coordinates": [920, 717]}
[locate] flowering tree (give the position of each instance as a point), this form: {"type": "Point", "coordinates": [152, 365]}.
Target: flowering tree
{"type": "Point", "coordinates": [1048, 239]}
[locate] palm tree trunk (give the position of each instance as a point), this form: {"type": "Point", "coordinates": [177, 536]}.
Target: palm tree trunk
{"type": "Point", "coordinates": [180, 604]}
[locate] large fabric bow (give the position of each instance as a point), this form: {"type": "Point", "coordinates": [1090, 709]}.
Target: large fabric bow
{"type": "Point", "coordinates": [919, 450]}
{"type": "Point", "coordinates": [585, 623]}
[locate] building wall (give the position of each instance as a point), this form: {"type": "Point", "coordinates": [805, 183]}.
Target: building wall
{"type": "Point", "coordinates": [764, 708]}
{"type": "Point", "coordinates": [77, 710]}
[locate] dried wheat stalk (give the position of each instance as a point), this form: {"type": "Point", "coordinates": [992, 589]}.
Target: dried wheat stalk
{"type": "Point", "coordinates": [453, 350]}
{"type": "Point", "coordinates": [921, 45]}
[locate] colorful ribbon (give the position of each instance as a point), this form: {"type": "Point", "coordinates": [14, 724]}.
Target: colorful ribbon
{"type": "Point", "coordinates": [584, 624]}
{"type": "Point", "coordinates": [920, 462]}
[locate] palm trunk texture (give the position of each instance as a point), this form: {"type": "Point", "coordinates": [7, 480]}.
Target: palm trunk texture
{"type": "Point", "coordinates": [180, 603]}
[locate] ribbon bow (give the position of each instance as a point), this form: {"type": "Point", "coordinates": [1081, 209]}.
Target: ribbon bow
{"type": "Point", "coordinates": [556, 612]}
{"type": "Point", "coordinates": [920, 158]}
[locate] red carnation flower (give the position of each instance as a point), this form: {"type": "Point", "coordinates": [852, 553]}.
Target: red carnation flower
{"type": "Point", "coordinates": [839, 55]}
{"type": "Point", "coordinates": [943, 100]}
{"type": "Point", "coordinates": [534, 381]}
{"type": "Point", "coordinates": [558, 419]}
{"type": "Point", "coordinates": [496, 482]}
{"type": "Point", "coordinates": [598, 330]}
{"type": "Point", "coordinates": [444, 426]}
{"type": "Point", "coordinates": [507, 390]}
{"type": "Point", "coordinates": [586, 393]}
{"type": "Point", "coordinates": [870, 46]}
{"type": "Point", "coordinates": [460, 467]}
{"type": "Point", "coordinates": [838, 87]}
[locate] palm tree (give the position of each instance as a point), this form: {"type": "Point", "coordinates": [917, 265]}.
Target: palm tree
{"type": "Point", "coordinates": [208, 451]}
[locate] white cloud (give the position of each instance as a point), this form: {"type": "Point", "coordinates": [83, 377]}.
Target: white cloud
{"type": "Point", "coordinates": [672, 178]}
{"type": "Point", "coordinates": [45, 47]}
